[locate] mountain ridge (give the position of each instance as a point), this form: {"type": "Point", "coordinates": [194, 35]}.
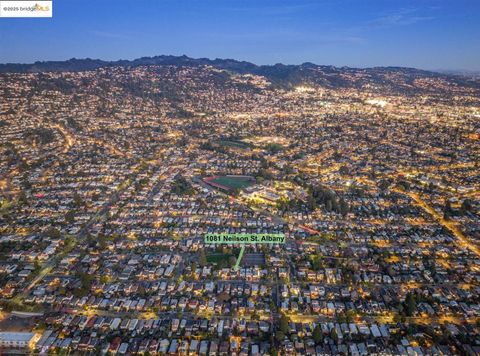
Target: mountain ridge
{"type": "Point", "coordinates": [81, 64]}
{"type": "Point", "coordinates": [394, 79]}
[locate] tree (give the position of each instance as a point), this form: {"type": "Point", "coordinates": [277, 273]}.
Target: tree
{"type": "Point", "coordinates": [344, 208]}
{"type": "Point", "coordinates": [316, 262]}
{"type": "Point", "coordinates": [334, 335]}
{"type": "Point", "coordinates": [350, 315]}
{"type": "Point", "coordinates": [273, 147]}
{"type": "Point", "coordinates": [318, 334]}
{"type": "Point", "coordinates": [101, 242]}
{"type": "Point", "coordinates": [37, 265]}
{"type": "Point", "coordinates": [279, 336]}
{"type": "Point", "coordinates": [39, 135]}
{"type": "Point", "coordinates": [398, 318]}
{"type": "Point", "coordinates": [384, 184]}
{"type": "Point", "coordinates": [410, 304]}
{"type": "Point", "coordinates": [328, 205]}
{"type": "Point", "coordinates": [181, 186]}
{"type": "Point", "coordinates": [22, 198]}
{"type": "Point", "coordinates": [86, 284]}
{"type": "Point", "coordinates": [466, 206]}
{"type": "Point", "coordinates": [311, 203]}
{"type": "Point", "coordinates": [77, 200]}
{"type": "Point", "coordinates": [344, 170]}
{"type": "Point", "coordinates": [447, 210]}
{"type": "Point", "coordinates": [265, 174]}
{"type": "Point", "coordinates": [283, 324]}
{"type": "Point", "coordinates": [335, 205]}
{"type": "Point", "coordinates": [202, 258]}
{"type": "Point", "coordinates": [70, 217]}
{"type": "Point", "coordinates": [53, 233]}
{"type": "Point", "coordinates": [288, 169]}
{"type": "Point", "coordinates": [272, 305]}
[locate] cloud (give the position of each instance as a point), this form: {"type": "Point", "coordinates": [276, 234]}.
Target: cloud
{"type": "Point", "coordinates": [402, 17]}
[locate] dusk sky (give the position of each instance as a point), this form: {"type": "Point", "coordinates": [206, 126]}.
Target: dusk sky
{"type": "Point", "coordinates": [430, 34]}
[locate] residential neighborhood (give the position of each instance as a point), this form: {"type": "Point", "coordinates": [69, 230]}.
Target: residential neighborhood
{"type": "Point", "coordinates": [111, 178]}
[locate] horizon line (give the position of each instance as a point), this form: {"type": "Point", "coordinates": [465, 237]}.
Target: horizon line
{"type": "Point", "coordinates": [436, 70]}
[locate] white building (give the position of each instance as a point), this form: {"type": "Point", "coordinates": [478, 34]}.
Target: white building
{"type": "Point", "coordinates": [16, 339]}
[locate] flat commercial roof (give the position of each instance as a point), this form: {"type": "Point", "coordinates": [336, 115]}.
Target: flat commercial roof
{"type": "Point", "coordinates": [16, 336]}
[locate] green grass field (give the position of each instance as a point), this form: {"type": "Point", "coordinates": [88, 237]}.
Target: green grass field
{"type": "Point", "coordinates": [234, 182]}
{"type": "Point", "coordinates": [217, 257]}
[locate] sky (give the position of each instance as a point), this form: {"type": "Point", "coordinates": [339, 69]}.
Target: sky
{"type": "Point", "coordinates": [427, 34]}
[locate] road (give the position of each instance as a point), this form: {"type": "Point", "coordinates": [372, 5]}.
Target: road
{"type": "Point", "coordinates": [69, 139]}
{"type": "Point", "coordinates": [274, 316]}
{"type": "Point", "coordinates": [464, 240]}
{"type": "Point", "coordinates": [49, 264]}
{"type": "Point", "coordinates": [101, 214]}
{"type": "Point", "coordinates": [456, 232]}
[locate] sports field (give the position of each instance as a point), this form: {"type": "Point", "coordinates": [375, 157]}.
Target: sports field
{"type": "Point", "coordinates": [230, 182]}
{"type": "Point", "coordinates": [217, 257]}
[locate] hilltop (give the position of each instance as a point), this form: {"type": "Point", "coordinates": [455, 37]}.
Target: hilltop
{"type": "Point", "coordinates": [391, 79]}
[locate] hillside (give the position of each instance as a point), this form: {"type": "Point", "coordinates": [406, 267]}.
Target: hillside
{"type": "Point", "coordinates": [398, 80]}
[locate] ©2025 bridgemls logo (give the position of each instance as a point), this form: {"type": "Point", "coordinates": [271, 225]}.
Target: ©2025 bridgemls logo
{"type": "Point", "coordinates": [25, 8]}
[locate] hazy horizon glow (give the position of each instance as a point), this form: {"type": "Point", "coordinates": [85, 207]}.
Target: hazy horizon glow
{"type": "Point", "coordinates": [426, 34]}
